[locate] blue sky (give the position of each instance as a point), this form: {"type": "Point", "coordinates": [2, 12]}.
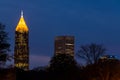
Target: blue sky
{"type": "Point", "coordinates": [89, 21]}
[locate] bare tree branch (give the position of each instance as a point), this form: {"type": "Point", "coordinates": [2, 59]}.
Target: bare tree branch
{"type": "Point", "coordinates": [91, 53]}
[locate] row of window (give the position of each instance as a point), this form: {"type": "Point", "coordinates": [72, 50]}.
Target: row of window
{"type": "Point", "coordinates": [20, 65]}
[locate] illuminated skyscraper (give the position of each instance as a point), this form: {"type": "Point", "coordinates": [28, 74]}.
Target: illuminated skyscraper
{"type": "Point", "coordinates": [64, 45]}
{"type": "Point", "coordinates": [21, 49]}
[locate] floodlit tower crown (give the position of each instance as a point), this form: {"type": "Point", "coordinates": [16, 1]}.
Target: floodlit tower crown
{"type": "Point", "coordinates": [21, 50]}
{"type": "Point", "coordinates": [22, 27]}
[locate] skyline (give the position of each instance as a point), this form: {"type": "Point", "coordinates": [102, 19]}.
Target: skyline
{"type": "Point", "coordinates": [89, 21]}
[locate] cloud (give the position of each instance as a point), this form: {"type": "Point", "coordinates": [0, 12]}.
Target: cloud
{"type": "Point", "coordinates": [38, 60]}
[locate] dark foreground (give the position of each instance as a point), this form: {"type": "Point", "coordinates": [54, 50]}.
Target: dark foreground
{"type": "Point", "coordinates": [107, 70]}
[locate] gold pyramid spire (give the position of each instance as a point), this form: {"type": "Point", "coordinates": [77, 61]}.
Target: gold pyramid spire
{"type": "Point", "coordinates": [21, 27]}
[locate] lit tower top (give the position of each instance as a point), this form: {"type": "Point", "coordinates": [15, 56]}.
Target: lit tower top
{"type": "Point", "coordinates": [21, 27]}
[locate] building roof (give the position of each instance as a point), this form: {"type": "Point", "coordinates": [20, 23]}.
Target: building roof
{"type": "Point", "coordinates": [21, 27]}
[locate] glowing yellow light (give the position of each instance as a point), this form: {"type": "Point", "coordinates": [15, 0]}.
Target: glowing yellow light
{"type": "Point", "coordinates": [22, 27]}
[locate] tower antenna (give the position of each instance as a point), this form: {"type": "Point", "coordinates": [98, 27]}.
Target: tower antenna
{"type": "Point", "coordinates": [21, 13]}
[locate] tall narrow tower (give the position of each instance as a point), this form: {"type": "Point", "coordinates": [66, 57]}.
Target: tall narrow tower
{"type": "Point", "coordinates": [21, 49]}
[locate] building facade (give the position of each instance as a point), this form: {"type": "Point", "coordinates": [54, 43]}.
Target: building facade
{"type": "Point", "coordinates": [21, 49]}
{"type": "Point", "coordinates": [64, 45]}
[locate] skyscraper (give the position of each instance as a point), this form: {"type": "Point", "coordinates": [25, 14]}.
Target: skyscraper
{"type": "Point", "coordinates": [64, 45]}
{"type": "Point", "coordinates": [21, 49]}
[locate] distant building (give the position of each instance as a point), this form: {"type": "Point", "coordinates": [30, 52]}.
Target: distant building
{"type": "Point", "coordinates": [64, 45]}
{"type": "Point", "coordinates": [107, 57]}
{"type": "Point", "coordinates": [21, 49]}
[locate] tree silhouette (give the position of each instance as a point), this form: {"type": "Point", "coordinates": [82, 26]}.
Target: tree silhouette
{"type": "Point", "coordinates": [62, 62]}
{"type": "Point", "coordinates": [4, 45]}
{"type": "Point", "coordinates": [109, 69]}
{"type": "Point", "coordinates": [91, 53]}
{"type": "Point", "coordinates": [63, 67]}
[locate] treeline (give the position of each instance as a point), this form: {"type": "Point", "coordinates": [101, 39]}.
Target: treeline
{"type": "Point", "coordinates": [64, 67]}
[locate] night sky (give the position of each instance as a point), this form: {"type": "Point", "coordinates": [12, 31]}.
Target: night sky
{"type": "Point", "coordinates": [90, 21]}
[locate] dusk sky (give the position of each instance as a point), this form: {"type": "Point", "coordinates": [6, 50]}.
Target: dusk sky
{"type": "Point", "coordinates": [90, 21]}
